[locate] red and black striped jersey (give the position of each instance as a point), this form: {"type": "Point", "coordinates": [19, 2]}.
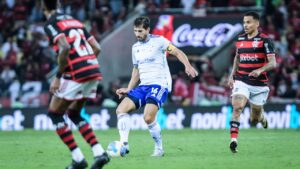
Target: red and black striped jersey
{"type": "Point", "coordinates": [253, 55]}
{"type": "Point", "coordinates": [82, 62]}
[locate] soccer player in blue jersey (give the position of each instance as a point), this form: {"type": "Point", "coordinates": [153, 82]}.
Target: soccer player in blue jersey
{"type": "Point", "coordinates": [150, 67]}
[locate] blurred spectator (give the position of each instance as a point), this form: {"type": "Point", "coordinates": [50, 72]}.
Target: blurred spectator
{"type": "Point", "coordinates": [188, 6]}
{"type": "Point", "coordinates": [180, 90]}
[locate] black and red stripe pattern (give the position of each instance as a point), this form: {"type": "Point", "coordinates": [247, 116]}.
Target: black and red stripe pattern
{"type": "Point", "coordinates": [234, 129]}
{"type": "Point", "coordinates": [253, 55]}
{"type": "Point", "coordinates": [67, 137]}
{"type": "Point", "coordinates": [82, 62]}
{"type": "Point", "coordinates": [88, 134]}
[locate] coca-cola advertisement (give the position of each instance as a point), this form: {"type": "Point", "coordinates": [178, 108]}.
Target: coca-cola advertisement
{"type": "Point", "coordinates": [195, 35]}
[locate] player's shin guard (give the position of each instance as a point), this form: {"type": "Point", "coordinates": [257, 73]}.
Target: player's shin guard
{"type": "Point", "coordinates": [86, 131]}
{"type": "Point", "coordinates": [65, 134]}
{"type": "Point", "coordinates": [234, 129]}
{"type": "Point", "coordinates": [123, 126]}
{"type": "Point", "coordinates": [155, 131]}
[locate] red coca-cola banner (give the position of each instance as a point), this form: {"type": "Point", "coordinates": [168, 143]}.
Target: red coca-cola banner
{"type": "Point", "coordinates": [196, 35]}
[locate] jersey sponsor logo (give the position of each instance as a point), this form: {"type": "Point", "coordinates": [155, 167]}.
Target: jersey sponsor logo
{"type": "Point", "coordinates": [247, 57]}
{"type": "Point", "coordinates": [52, 30]}
{"type": "Point", "coordinates": [147, 60]}
{"type": "Point", "coordinates": [255, 44]}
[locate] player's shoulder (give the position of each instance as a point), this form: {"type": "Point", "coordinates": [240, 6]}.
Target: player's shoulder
{"type": "Point", "coordinates": [264, 37]}
{"type": "Point", "coordinates": [154, 36]}
{"type": "Point", "coordinates": [135, 44]}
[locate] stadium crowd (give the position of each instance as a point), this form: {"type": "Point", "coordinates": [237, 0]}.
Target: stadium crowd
{"type": "Point", "coordinates": [25, 54]}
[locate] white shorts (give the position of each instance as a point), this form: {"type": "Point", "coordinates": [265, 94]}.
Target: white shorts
{"type": "Point", "coordinates": [257, 95]}
{"type": "Point", "coordinates": [71, 90]}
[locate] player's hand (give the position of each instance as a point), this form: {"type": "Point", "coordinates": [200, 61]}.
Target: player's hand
{"type": "Point", "coordinates": [54, 85]}
{"type": "Point", "coordinates": [255, 73]}
{"type": "Point", "coordinates": [230, 81]}
{"type": "Point", "coordinates": [121, 92]}
{"type": "Point", "coordinates": [190, 71]}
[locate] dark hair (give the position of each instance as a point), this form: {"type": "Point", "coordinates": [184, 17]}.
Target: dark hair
{"type": "Point", "coordinates": [50, 4]}
{"type": "Point", "coordinates": [253, 14]}
{"type": "Point", "coordinates": [142, 21]}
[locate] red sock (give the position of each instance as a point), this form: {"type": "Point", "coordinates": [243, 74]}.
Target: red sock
{"type": "Point", "coordinates": [234, 129]}
{"type": "Point", "coordinates": [67, 137]}
{"type": "Point", "coordinates": [84, 128]}
{"type": "Point", "coordinates": [88, 134]}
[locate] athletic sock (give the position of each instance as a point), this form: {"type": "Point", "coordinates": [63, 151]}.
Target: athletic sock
{"type": "Point", "coordinates": [234, 130]}
{"type": "Point", "coordinates": [155, 132]}
{"type": "Point", "coordinates": [123, 126]}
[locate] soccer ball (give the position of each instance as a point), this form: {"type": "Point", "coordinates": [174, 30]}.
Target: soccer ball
{"type": "Point", "coordinates": [116, 149]}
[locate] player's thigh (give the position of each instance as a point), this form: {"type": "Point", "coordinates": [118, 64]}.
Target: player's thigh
{"type": "Point", "coordinates": [77, 105]}
{"type": "Point", "coordinates": [240, 95]}
{"type": "Point", "coordinates": [126, 106]}
{"type": "Point", "coordinates": [58, 105]}
{"type": "Point", "coordinates": [150, 112]}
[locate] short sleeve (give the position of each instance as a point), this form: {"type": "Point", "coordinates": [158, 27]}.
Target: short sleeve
{"type": "Point", "coordinates": [53, 32]}
{"type": "Point", "coordinates": [269, 47]}
{"type": "Point", "coordinates": [164, 43]}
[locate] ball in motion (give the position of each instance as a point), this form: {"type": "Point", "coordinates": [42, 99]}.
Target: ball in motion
{"type": "Point", "coordinates": [116, 149]}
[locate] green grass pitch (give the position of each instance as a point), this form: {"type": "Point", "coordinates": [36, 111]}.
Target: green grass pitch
{"type": "Point", "coordinates": [184, 149]}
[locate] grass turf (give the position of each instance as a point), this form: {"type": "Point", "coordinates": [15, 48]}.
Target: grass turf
{"type": "Point", "coordinates": [187, 149]}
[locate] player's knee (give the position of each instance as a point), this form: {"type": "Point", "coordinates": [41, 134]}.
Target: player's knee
{"type": "Point", "coordinates": [254, 120]}
{"type": "Point", "coordinates": [119, 110]}
{"type": "Point", "coordinates": [56, 118]}
{"type": "Point", "coordinates": [237, 109]}
{"type": "Point", "coordinates": [148, 119]}
{"type": "Point", "coordinates": [255, 115]}
{"type": "Point", "coordinates": [256, 111]}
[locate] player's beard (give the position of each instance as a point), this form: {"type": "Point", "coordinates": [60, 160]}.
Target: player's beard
{"type": "Point", "coordinates": [142, 38]}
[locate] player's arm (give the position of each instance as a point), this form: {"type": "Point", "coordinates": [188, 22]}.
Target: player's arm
{"type": "Point", "coordinates": [62, 60]}
{"type": "Point", "coordinates": [63, 54]}
{"type": "Point", "coordinates": [183, 59]}
{"type": "Point", "coordinates": [135, 77]}
{"type": "Point", "coordinates": [95, 45]}
{"type": "Point", "coordinates": [271, 63]}
{"type": "Point", "coordinates": [235, 65]}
